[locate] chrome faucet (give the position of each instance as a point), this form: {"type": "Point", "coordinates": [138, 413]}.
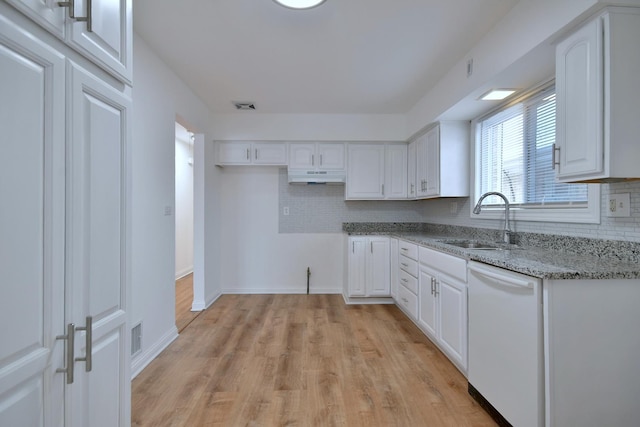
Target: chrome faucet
{"type": "Point", "coordinates": [506, 234]}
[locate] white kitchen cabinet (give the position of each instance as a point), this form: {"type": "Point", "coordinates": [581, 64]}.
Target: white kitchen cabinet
{"type": "Point", "coordinates": [239, 153]}
{"type": "Point", "coordinates": [442, 295]}
{"type": "Point", "coordinates": [442, 165]}
{"type": "Point", "coordinates": [412, 154]}
{"type": "Point", "coordinates": [71, 216]}
{"type": "Point", "coordinates": [105, 37]}
{"type": "Point", "coordinates": [376, 172]}
{"type": "Point", "coordinates": [407, 295]}
{"type": "Point", "coordinates": [393, 263]}
{"type": "Point", "coordinates": [316, 156]}
{"type": "Point", "coordinates": [591, 343]}
{"type": "Point", "coordinates": [369, 268]}
{"type": "Point", "coordinates": [365, 171]}
{"type": "Point", "coordinates": [597, 93]}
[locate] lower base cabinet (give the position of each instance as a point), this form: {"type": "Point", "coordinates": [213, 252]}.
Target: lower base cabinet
{"type": "Point", "coordinates": [369, 266]}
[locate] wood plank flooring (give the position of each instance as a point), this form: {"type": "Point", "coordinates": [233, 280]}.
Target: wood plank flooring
{"type": "Point", "coordinates": [184, 300]}
{"type": "Point", "coordinates": [302, 360]}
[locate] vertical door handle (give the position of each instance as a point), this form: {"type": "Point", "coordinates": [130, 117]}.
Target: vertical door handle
{"type": "Point", "coordinates": [69, 351]}
{"type": "Point", "coordinates": [88, 337]}
{"type": "Point", "coordinates": [313, 160]}
{"type": "Point", "coordinates": [412, 185]}
{"type": "Point", "coordinates": [248, 154]}
{"type": "Point", "coordinates": [555, 159]}
{"type": "Point", "coordinates": [433, 286]}
{"type": "Point", "coordinates": [353, 247]}
{"type": "Point", "coordinates": [256, 154]}
{"type": "Point", "coordinates": [72, 13]}
{"type": "Point", "coordinates": [320, 159]}
{"type": "Point", "coordinates": [383, 189]}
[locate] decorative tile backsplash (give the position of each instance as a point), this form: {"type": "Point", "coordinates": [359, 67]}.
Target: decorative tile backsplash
{"type": "Point", "coordinates": [322, 209]}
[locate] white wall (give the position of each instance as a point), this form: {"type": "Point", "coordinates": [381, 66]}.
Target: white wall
{"type": "Point", "coordinates": [184, 203]}
{"type": "Point", "coordinates": [255, 258]}
{"type": "Point", "coordinates": [159, 97]}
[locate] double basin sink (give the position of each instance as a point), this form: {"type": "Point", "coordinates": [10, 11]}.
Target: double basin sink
{"type": "Point", "coordinates": [477, 245]}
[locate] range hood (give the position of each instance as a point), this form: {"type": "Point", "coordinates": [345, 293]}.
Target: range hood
{"type": "Point", "coordinates": [316, 177]}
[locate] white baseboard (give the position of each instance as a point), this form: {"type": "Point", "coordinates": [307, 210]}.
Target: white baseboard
{"type": "Point", "coordinates": [143, 359]}
{"type": "Point", "coordinates": [368, 300]}
{"type": "Point", "coordinates": [184, 272]}
{"type": "Point", "coordinates": [263, 291]}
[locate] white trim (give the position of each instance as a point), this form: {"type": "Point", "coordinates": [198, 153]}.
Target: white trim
{"type": "Point", "coordinates": [263, 291]}
{"type": "Point", "coordinates": [367, 300]}
{"type": "Point", "coordinates": [147, 356]}
{"type": "Point", "coordinates": [184, 272]}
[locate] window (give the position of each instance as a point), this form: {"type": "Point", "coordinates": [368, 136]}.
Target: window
{"type": "Point", "coordinates": [514, 149]}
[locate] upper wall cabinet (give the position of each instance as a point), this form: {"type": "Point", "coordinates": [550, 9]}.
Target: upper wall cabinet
{"type": "Point", "coordinates": [251, 153]}
{"type": "Point", "coordinates": [598, 130]}
{"type": "Point", "coordinates": [316, 156]}
{"type": "Point", "coordinates": [101, 30]}
{"type": "Point", "coordinates": [376, 171]}
{"type": "Point", "coordinates": [441, 162]}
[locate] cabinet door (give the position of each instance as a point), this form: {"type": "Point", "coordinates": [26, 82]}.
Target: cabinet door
{"type": "Point", "coordinates": [270, 154]}
{"type": "Point", "coordinates": [579, 105]}
{"type": "Point", "coordinates": [395, 269]}
{"type": "Point", "coordinates": [32, 227]}
{"type": "Point", "coordinates": [421, 166]}
{"type": "Point", "coordinates": [411, 169]}
{"type": "Point", "coordinates": [365, 171]}
{"type": "Point", "coordinates": [396, 172]}
{"type": "Point", "coordinates": [46, 13]}
{"type": "Point", "coordinates": [379, 270]}
{"type": "Point", "coordinates": [98, 247]}
{"type": "Point", "coordinates": [357, 266]}
{"type": "Point", "coordinates": [234, 153]}
{"type": "Point", "coordinates": [107, 38]}
{"type": "Point", "coordinates": [301, 156]}
{"type": "Point", "coordinates": [432, 181]}
{"type": "Point", "coordinates": [330, 156]}
{"type": "Point", "coordinates": [452, 325]}
{"type": "Point", "coordinates": [427, 310]}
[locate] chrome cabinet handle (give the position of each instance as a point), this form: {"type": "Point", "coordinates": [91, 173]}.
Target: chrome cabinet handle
{"type": "Point", "coordinates": [371, 247]}
{"type": "Point", "coordinates": [320, 159]}
{"type": "Point", "coordinates": [412, 185]}
{"type": "Point", "coordinates": [313, 160]}
{"type": "Point", "coordinates": [256, 154]}
{"type": "Point", "coordinates": [433, 286]}
{"type": "Point", "coordinates": [404, 249]}
{"type": "Point", "coordinates": [404, 264]}
{"type": "Point", "coordinates": [88, 339]}
{"type": "Point", "coordinates": [72, 13]}
{"type": "Point", "coordinates": [404, 280]}
{"type": "Point", "coordinates": [248, 154]}
{"type": "Point", "coordinates": [383, 189]}
{"type": "Point", "coordinates": [353, 247]}
{"type": "Point", "coordinates": [69, 351]}
{"type": "Point", "coordinates": [555, 161]}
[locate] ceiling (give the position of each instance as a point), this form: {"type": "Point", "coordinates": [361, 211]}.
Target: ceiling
{"type": "Point", "coordinates": [344, 57]}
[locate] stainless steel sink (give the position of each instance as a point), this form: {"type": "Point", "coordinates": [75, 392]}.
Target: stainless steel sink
{"type": "Point", "coordinates": [473, 244]}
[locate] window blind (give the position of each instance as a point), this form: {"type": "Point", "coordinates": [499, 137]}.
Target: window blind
{"type": "Point", "coordinates": [516, 146]}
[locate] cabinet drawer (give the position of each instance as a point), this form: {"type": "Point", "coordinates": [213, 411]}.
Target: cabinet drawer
{"type": "Point", "coordinates": [408, 301]}
{"type": "Point", "coordinates": [448, 264]}
{"type": "Point", "coordinates": [407, 249]}
{"type": "Point", "coordinates": [408, 265]}
{"type": "Point", "coordinates": [409, 281]}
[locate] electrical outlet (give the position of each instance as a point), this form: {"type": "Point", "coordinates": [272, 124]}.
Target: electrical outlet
{"type": "Point", "coordinates": [619, 205]}
{"type": "Point", "coordinates": [285, 211]}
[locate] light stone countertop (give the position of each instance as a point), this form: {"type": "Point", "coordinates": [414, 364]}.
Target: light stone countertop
{"type": "Point", "coordinates": [545, 257]}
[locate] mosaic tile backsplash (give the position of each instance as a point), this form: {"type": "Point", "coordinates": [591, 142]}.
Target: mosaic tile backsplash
{"type": "Point", "coordinates": [322, 209]}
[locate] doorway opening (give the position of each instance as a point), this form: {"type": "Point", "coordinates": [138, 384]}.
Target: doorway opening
{"type": "Point", "coordinates": [184, 148]}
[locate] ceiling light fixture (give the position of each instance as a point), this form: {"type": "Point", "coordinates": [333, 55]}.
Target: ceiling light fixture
{"type": "Point", "coordinates": [299, 4]}
{"type": "Point", "coordinates": [497, 94]}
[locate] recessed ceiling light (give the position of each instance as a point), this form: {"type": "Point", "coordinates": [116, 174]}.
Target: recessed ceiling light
{"type": "Point", "coordinates": [299, 4]}
{"type": "Point", "coordinates": [497, 94]}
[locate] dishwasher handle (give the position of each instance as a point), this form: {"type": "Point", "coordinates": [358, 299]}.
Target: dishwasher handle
{"type": "Point", "coordinates": [500, 278]}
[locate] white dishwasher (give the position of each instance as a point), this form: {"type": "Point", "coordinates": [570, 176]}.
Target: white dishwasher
{"type": "Point", "coordinates": [506, 364]}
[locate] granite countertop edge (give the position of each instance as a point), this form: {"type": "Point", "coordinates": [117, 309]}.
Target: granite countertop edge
{"type": "Point", "coordinates": [537, 262]}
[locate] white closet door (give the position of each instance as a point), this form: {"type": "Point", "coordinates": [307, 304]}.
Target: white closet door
{"type": "Point", "coordinates": [97, 247]}
{"type": "Point", "coordinates": [31, 230]}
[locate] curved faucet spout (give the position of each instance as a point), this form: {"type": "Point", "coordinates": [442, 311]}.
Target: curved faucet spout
{"type": "Point", "coordinates": [506, 237]}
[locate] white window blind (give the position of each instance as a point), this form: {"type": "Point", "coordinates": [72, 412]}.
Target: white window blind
{"type": "Point", "coordinates": [515, 150]}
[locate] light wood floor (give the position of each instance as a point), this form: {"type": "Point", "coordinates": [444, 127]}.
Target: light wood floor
{"type": "Point", "coordinates": [302, 360]}
{"type": "Point", "coordinates": [184, 299]}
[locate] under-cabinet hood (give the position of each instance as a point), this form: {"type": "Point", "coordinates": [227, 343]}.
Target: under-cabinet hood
{"type": "Point", "coordinates": [316, 177]}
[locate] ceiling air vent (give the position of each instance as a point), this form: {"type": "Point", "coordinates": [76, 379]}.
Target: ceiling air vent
{"type": "Point", "coordinates": [244, 105]}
